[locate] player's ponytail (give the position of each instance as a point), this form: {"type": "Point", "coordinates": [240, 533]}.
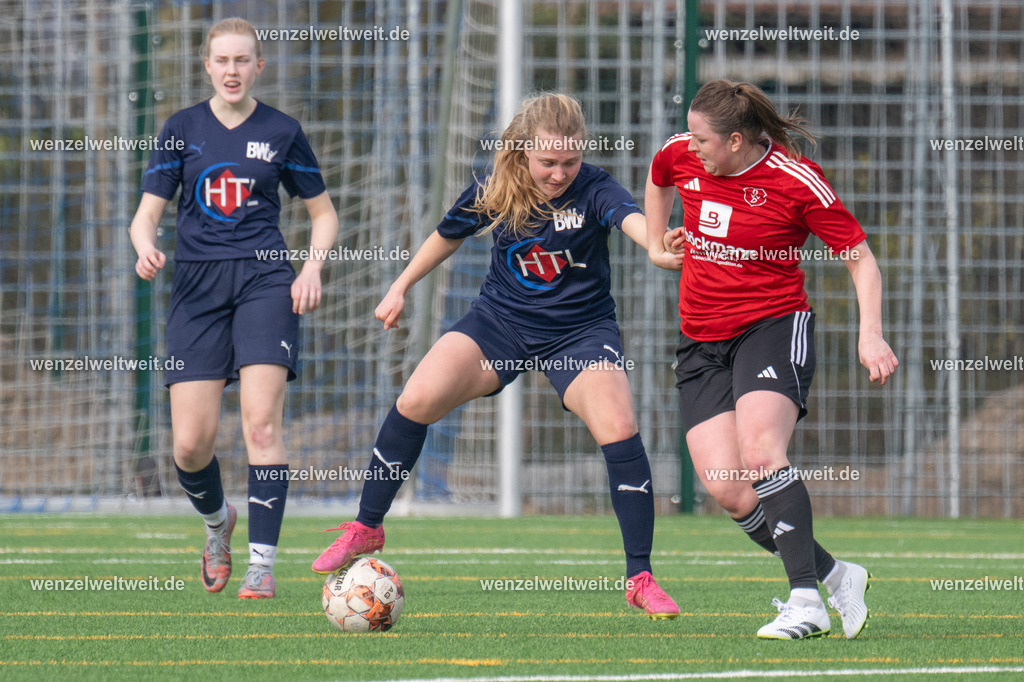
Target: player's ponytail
{"type": "Point", "coordinates": [509, 195]}
{"type": "Point", "coordinates": [235, 26]}
{"type": "Point", "coordinates": [743, 108]}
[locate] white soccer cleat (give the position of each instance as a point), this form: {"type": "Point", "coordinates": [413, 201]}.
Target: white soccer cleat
{"type": "Point", "coordinates": [796, 621]}
{"type": "Point", "coordinates": [848, 599]}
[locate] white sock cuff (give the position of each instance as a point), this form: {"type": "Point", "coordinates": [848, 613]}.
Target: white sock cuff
{"type": "Point", "coordinates": [831, 581]}
{"type": "Point", "coordinates": [263, 555]}
{"type": "Point", "coordinates": [218, 517]}
{"type": "Point", "coordinates": [807, 594]}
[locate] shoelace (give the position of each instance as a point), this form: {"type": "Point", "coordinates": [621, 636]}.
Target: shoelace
{"type": "Point", "coordinates": [343, 527]}
{"type": "Point", "coordinates": [255, 575]}
{"type": "Point", "coordinates": [837, 600]}
{"type": "Point", "coordinates": [215, 544]}
{"type": "Point", "coordinates": [782, 606]}
{"type": "Point", "coordinates": [640, 587]}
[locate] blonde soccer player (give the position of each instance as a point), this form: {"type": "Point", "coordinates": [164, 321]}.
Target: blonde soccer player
{"type": "Point", "coordinates": [545, 300]}
{"type": "Point", "coordinates": [235, 298]}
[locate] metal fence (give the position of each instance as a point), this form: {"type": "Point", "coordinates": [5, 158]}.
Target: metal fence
{"type": "Point", "coordinates": [946, 227]}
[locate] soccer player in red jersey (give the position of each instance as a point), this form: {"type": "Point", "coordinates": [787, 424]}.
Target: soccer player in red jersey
{"type": "Point", "coordinates": [746, 348]}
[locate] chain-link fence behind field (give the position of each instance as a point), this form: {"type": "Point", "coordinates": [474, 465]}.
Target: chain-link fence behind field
{"type": "Point", "coordinates": [944, 222]}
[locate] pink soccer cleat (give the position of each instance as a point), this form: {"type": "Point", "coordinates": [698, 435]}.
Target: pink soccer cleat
{"type": "Point", "coordinates": [216, 562]}
{"type": "Point", "coordinates": [645, 594]}
{"type": "Point", "coordinates": [355, 540]}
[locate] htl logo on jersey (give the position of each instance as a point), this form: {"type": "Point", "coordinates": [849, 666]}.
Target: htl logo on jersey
{"type": "Point", "coordinates": [536, 263]}
{"type": "Point", "coordinates": [222, 190]}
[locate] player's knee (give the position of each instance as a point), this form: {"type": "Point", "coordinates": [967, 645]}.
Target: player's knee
{"type": "Point", "coordinates": [754, 459]}
{"type": "Point", "coordinates": [619, 428]}
{"type": "Point", "coordinates": [736, 498]}
{"type": "Point", "coordinates": [761, 456]}
{"type": "Point", "coordinates": [263, 433]}
{"type": "Point", "coordinates": [192, 454]}
{"type": "Point", "coordinates": [418, 405]}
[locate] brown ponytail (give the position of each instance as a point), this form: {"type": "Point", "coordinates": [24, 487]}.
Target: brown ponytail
{"type": "Point", "coordinates": [743, 108]}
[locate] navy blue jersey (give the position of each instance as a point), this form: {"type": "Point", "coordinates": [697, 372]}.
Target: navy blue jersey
{"type": "Point", "coordinates": [229, 206]}
{"type": "Point", "coordinates": [559, 276]}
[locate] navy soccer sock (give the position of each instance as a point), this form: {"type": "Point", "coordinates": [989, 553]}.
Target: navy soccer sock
{"type": "Point", "coordinates": [268, 491]}
{"type": "Point", "coordinates": [205, 491]}
{"type": "Point", "coordinates": [629, 478]}
{"type": "Point", "coordinates": [787, 509]}
{"type": "Point", "coordinates": [755, 526]}
{"type": "Point", "coordinates": [398, 446]}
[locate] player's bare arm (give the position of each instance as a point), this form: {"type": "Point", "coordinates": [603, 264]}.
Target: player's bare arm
{"type": "Point", "coordinates": [658, 207]}
{"type": "Point", "coordinates": [307, 289]}
{"type": "Point", "coordinates": [635, 227]}
{"type": "Point", "coordinates": [434, 251]}
{"type": "Point", "coordinates": [143, 235]}
{"type": "Point", "coordinates": [875, 353]}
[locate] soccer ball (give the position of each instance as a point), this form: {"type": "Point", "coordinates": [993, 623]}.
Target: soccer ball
{"type": "Point", "coordinates": [363, 596]}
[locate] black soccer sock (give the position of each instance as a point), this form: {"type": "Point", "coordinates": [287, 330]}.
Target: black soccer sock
{"type": "Point", "coordinates": [398, 446]}
{"type": "Point", "coordinates": [629, 477]}
{"type": "Point", "coordinates": [756, 527]}
{"type": "Point", "coordinates": [203, 488]}
{"type": "Point", "coordinates": [787, 509]}
{"type": "Point", "coordinates": [823, 562]}
{"type": "Point", "coordinates": [268, 491]}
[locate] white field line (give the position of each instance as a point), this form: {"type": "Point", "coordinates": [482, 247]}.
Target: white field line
{"type": "Point", "coordinates": [448, 551]}
{"type": "Point", "coordinates": [734, 674]}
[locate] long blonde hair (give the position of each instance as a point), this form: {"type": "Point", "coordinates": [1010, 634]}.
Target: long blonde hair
{"type": "Point", "coordinates": [510, 195]}
{"type": "Point", "coordinates": [235, 26]}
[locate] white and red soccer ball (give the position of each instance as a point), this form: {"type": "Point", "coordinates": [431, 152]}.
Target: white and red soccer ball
{"type": "Point", "coordinates": [364, 596]}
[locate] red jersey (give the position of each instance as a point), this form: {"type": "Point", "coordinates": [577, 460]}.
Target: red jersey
{"type": "Point", "coordinates": [743, 235]}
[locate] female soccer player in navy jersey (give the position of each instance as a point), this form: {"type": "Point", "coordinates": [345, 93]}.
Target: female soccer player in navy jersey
{"type": "Point", "coordinates": [546, 297]}
{"type": "Point", "coordinates": [234, 313]}
{"type": "Point", "coordinates": [746, 351]}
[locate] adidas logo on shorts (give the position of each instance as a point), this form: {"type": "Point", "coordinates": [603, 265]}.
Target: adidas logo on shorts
{"type": "Point", "coordinates": [768, 373]}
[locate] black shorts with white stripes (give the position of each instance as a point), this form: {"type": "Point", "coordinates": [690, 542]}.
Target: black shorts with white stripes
{"type": "Point", "coordinates": [776, 355]}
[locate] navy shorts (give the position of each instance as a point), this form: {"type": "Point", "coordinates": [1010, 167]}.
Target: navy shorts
{"type": "Point", "coordinates": [776, 355]}
{"type": "Point", "coordinates": [561, 354]}
{"type": "Point", "coordinates": [228, 313]}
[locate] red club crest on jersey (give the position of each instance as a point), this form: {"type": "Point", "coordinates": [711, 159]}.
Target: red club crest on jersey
{"type": "Point", "coordinates": [755, 196]}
